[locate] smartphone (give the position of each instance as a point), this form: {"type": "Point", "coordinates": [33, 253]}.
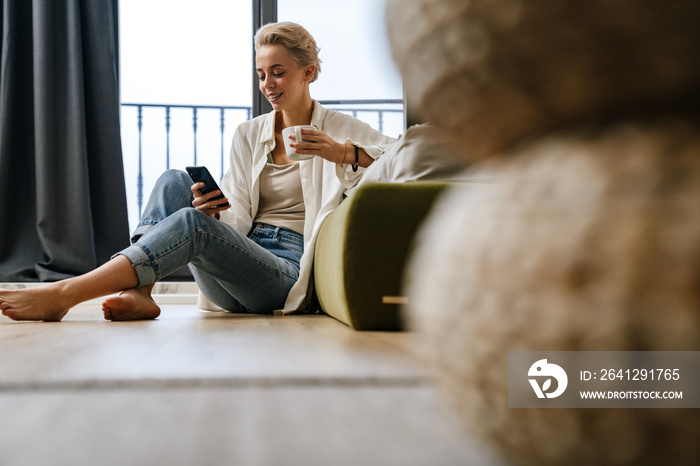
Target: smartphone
{"type": "Point", "coordinates": [201, 174]}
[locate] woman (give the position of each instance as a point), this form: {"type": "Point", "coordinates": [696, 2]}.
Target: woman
{"type": "Point", "coordinates": [256, 254]}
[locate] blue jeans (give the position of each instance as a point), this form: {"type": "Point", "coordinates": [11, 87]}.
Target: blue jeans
{"type": "Point", "coordinates": [239, 273]}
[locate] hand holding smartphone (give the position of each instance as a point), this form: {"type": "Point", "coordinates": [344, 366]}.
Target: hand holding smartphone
{"type": "Point", "coordinates": [202, 175]}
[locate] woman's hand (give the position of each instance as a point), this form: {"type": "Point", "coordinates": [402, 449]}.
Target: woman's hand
{"type": "Point", "coordinates": [317, 142]}
{"type": "Point", "coordinates": [204, 202]}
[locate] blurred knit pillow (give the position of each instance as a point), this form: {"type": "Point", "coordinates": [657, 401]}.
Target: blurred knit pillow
{"type": "Point", "coordinates": [495, 72]}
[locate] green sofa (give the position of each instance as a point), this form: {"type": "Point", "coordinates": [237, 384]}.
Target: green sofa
{"type": "Point", "coordinates": [362, 248]}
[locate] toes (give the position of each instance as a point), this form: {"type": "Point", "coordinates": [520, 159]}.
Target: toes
{"type": "Point", "coordinates": [110, 303]}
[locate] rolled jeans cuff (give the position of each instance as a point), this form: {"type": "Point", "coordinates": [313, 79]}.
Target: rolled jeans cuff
{"type": "Point", "coordinates": [141, 229]}
{"type": "Point", "coordinates": [144, 264]}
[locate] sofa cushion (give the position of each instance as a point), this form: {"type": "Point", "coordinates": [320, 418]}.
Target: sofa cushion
{"type": "Point", "coordinates": [362, 248]}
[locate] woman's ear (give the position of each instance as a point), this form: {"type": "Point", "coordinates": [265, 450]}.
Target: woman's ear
{"type": "Point", "coordinates": [309, 72]}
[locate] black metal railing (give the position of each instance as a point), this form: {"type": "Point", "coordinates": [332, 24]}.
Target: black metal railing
{"type": "Point", "coordinates": [356, 108]}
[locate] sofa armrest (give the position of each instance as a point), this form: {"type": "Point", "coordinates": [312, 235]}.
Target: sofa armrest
{"type": "Point", "coordinates": [362, 248]}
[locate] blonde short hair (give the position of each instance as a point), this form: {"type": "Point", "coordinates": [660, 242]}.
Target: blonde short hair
{"type": "Point", "coordinates": [298, 41]}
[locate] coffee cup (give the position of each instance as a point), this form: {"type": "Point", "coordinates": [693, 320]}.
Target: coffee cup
{"type": "Point", "coordinates": [296, 131]}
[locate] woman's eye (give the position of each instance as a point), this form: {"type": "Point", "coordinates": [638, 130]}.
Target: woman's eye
{"type": "Point", "coordinates": [278, 75]}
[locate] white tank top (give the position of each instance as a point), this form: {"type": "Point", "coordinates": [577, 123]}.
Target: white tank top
{"type": "Point", "coordinates": [281, 199]}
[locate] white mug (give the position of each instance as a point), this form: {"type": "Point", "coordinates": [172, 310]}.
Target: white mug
{"type": "Point", "coordinates": [296, 130]}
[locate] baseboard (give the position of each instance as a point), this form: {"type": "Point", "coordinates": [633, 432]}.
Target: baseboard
{"type": "Point", "coordinates": [163, 292]}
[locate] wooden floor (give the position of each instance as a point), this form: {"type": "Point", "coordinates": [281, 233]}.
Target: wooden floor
{"type": "Point", "coordinates": [197, 388]}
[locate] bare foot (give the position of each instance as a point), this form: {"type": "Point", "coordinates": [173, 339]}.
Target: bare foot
{"type": "Point", "coordinates": [46, 303]}
{"type": "Point", "coordinates": [131, 304]}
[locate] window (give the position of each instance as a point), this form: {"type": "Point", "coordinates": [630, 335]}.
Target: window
{"type": "Point", "coordinates": [177, 58]}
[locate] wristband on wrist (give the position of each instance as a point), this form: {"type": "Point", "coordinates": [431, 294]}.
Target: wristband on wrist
{"type": "Point", "coordinates": [357, 158]}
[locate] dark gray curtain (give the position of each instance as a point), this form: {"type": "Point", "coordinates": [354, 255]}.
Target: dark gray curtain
{"type": "Point", "coordinates": [62, 195]}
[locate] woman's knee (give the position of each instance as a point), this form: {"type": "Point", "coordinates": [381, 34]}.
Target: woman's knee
{"type": "Point", "coordinates": [173, 190]}
{"type": "Point", "coordinates": [175, 177]}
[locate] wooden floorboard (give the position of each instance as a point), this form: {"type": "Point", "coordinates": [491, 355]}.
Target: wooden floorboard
{"type": "Point", "coordinates": [210, 388]}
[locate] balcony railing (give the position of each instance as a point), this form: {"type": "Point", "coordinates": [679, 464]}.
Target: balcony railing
{"type": "Point", "coordinates": [374, 112]}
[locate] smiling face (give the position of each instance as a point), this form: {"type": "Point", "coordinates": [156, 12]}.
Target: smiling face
{"type": "Point", "coordinates": [282, 81]}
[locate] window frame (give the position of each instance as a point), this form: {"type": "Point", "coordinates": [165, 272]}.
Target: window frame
{"type": "Point", "coordinates": [264, 11]}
